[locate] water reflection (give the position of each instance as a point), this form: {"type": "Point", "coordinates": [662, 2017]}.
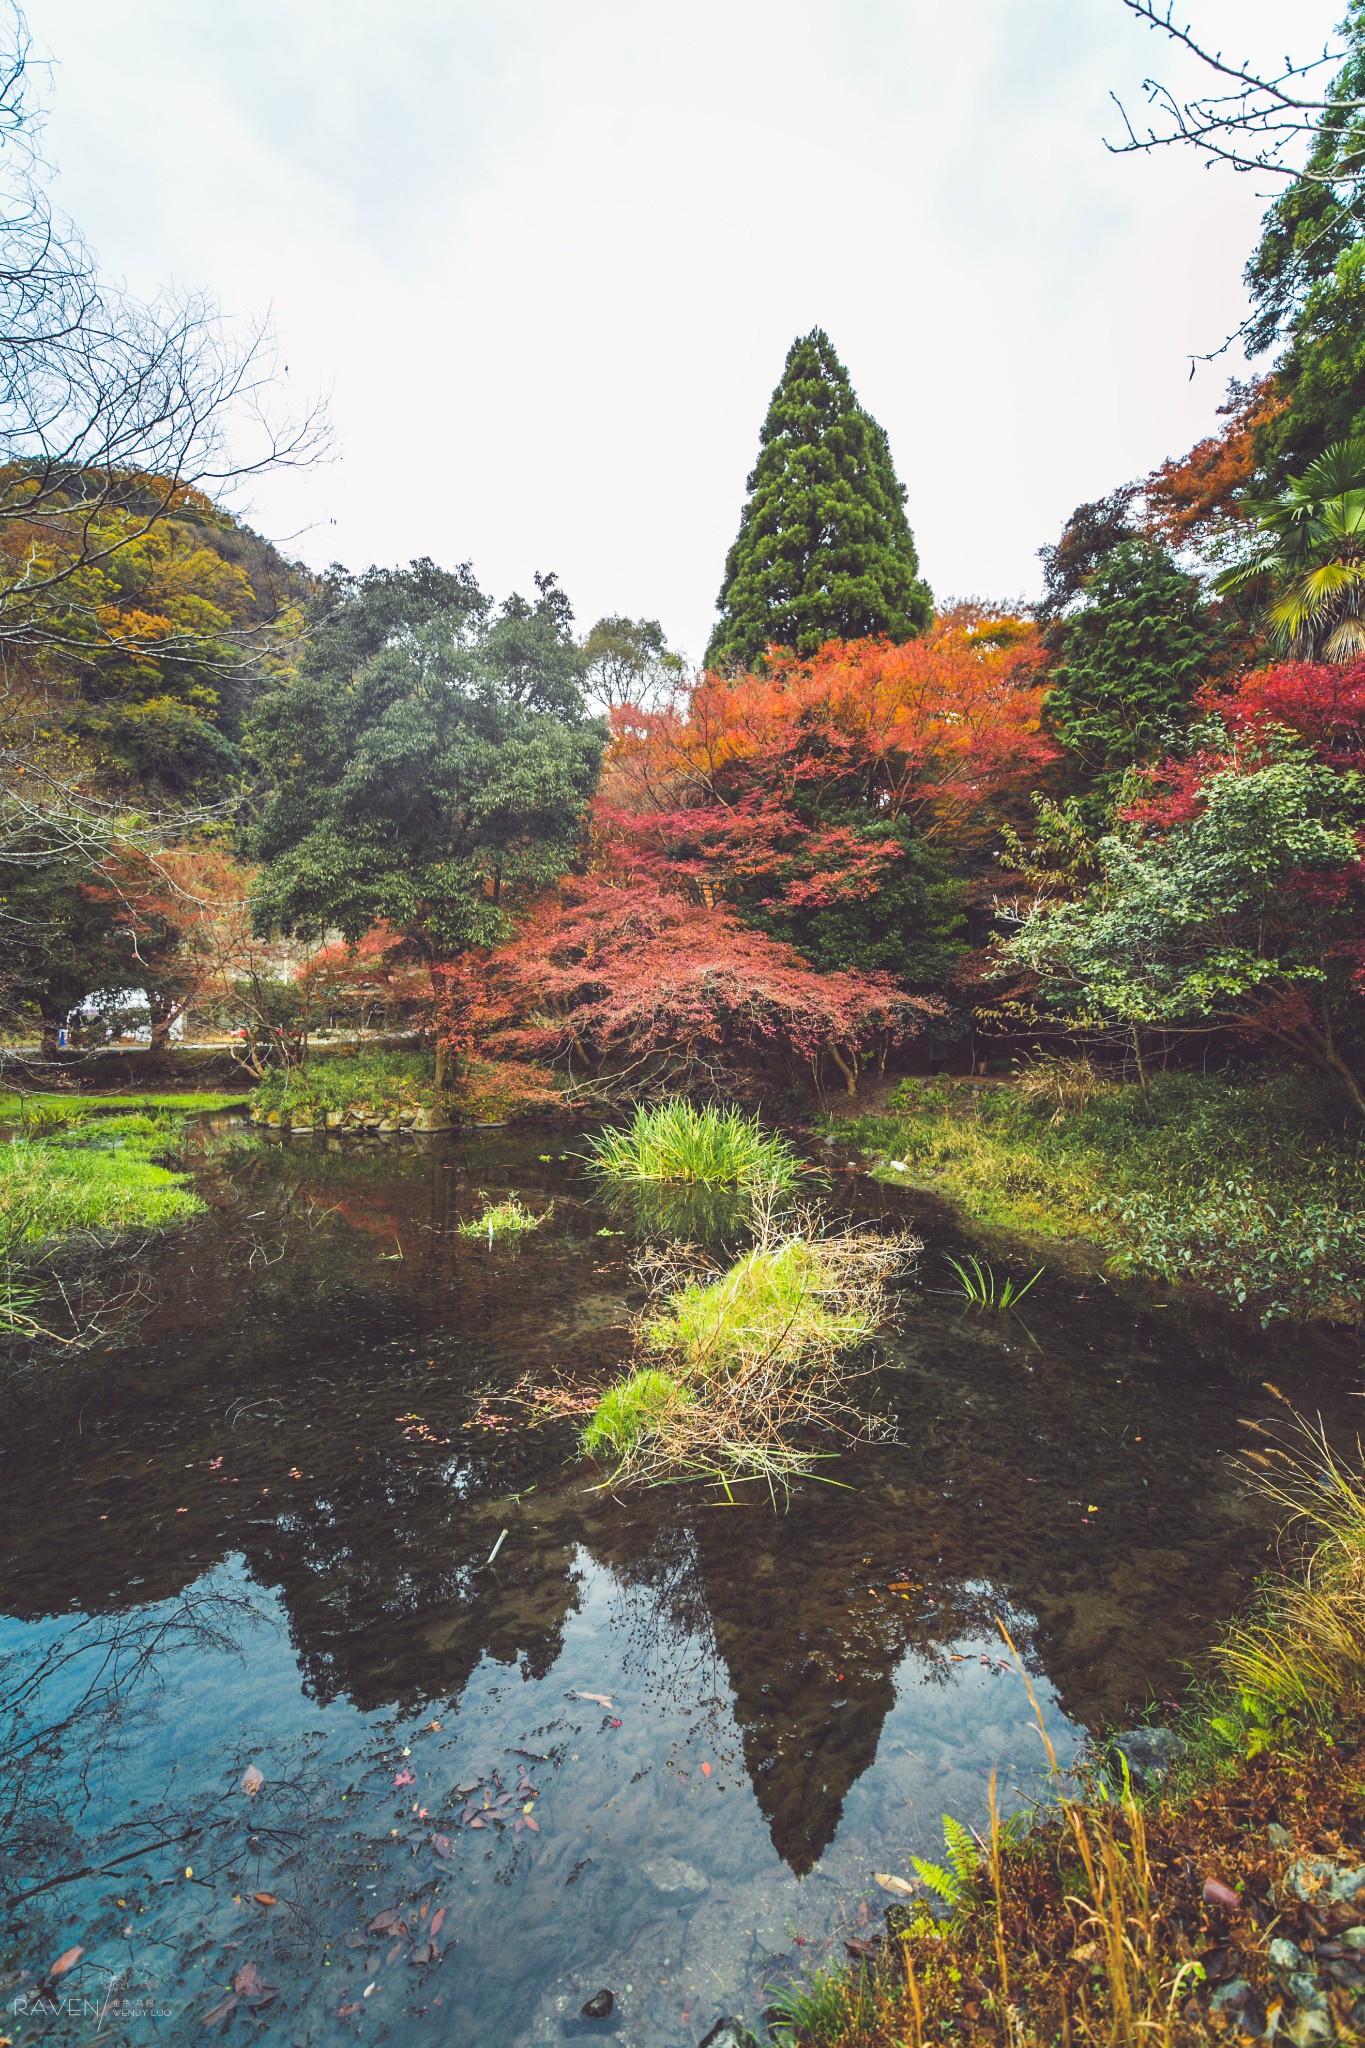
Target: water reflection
{"type": "Point", "coordinates": [268, 1526]}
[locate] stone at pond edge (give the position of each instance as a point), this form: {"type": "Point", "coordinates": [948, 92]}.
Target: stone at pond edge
{"type": "Point", "coordinates": [600, 2007]}
{"type": "Point", "coordinates": [728, 2034]}
{"type": "Point", "coordinates": [668, 1876]}
{"type": "Point", "coordinates": [1150, 1754]}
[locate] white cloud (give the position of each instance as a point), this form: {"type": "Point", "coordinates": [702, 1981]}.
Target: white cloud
{"type": "Point", "coordinates": [550, 257]}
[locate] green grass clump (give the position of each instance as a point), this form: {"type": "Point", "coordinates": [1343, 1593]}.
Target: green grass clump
{"type": "Point", "coordinates": [772, 1302]}
{"type": "Point", "coordinates": [633, 1408]}
{"type": "Point", "coordinates": [675, 1141]}
{"type": "Point", "coordinates": [55, 1190]}
{"type": "Point", "coordinates": [375, 1083]}
{"type": "Point", "coordinates": [1252, 1184]}
{"type": "Point", "coordinates": [44, 1111]}
{"type": "Point", "coordinates": [502, 1219]}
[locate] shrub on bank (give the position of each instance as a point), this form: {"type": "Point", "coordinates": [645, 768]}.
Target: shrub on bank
{"type": "Point", "coordinates": [398, 1089]}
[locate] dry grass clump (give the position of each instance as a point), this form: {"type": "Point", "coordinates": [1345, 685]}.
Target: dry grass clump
{"type": "Point", "coordinates": [1303, 1648]}
{"type": "Point", "coordinates": [1066, 1086]}
{"type": "Point", "coordinates": [748, 1363]}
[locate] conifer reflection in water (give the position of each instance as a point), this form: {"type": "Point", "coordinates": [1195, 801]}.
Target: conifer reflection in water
{"type": "Point", "coordinates": [308, 1412]}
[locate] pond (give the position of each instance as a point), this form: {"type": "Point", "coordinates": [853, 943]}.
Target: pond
{"type": "Point", "coordinates": [288, 1749]}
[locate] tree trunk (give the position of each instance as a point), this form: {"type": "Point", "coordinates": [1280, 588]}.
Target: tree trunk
{"type": "Point", "coordinates": [1143, 1081]}
{"type": "Point", "coordinates": [849, 1073]}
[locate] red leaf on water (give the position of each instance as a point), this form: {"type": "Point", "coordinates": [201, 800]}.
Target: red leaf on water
{"type": "Point", "coordinates": [477, 1823]}
{"type": "Point", "coordinates": [405, 1777]}
{"type": "Point", "coordinates": [437, 1921]}
{"type": "Point", "coordinates": [67, 1960]}
{"type": "Point", "coordinates": [265, 1898]}
{"type": "Point", "coordinates": [247, 1982]}
{"type": "Point", "coordinates": [382, 1922]}
{"type": "Point", "coordinates": [220, 2012]}
{"type": "Point", "coordinates": [252, 1781]}
{"type": "Point", "coordinates": [534, 1826]}
{"type": "Point", "coordinates": [707, 1769]}
{"type": "Point", "coordinates": [396, 1950]}
{"type": "Point", "coordinates": [345, 2012]}
{"type": "Point", "coordinates": [1216, 1894]}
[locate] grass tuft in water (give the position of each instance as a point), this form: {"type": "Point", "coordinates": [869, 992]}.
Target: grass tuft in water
{"type": "Point", "coordinates": [502, 1219]}
{"type": "Point", "coordinates": [981, 1287]}
{"type": "Point", "coordinates": [676, 1141]}
{"type": "Point", "coordinates": [762, 1349]}
{"type": "Point", "coordinates": [633, 1408]}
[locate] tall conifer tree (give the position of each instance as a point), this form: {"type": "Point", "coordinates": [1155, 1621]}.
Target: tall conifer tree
{"type": "Point", "coordinates": [824, 550]}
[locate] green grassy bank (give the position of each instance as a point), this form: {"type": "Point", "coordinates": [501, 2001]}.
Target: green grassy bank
{"type": "Point", "coordinates": [1250, 1185]}
{"type": "Point", "coordinates": [83, 1168]}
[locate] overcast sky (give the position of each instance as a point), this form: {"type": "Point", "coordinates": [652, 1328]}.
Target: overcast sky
{"type": "Point", "coordinates": [548, 256]}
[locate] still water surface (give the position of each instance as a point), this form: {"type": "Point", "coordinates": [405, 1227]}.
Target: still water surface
{"type": "Point", "coordinates": [250, 1535]}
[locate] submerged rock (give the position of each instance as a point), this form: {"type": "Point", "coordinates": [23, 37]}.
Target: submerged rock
{"type": "Point", "coordinates": [728, 2034]}
{"type": "Point", "coordinates": [1150, 1753]}
{"type": "Point", "coordinates": [600, 2006]}
{"type": "Point", "coordinates": [671, 1877]}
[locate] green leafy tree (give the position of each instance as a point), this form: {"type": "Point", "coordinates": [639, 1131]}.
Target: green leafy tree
{"type": "Point", "coordinates": [1131, 655]}
{"type": "Point", "coordinates": [429, 764]}
{"type": "Point", "coordinates": [1307, 276]}
{"type": "Point", "coordinates": [1310, 563]}
{"type": "Point", "coordinates": [1240, 910]}
{"type": "Point", "coordinates": [824, 549]}
{"type": "Point", "coordinates": [629, 661]}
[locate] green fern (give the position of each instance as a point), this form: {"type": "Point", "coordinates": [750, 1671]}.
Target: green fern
{"type": "Point", "coordinates": [948, 1882]}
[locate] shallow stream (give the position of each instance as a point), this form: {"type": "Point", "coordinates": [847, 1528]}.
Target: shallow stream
{"type": "Point", "coordinates": [661, 1743]}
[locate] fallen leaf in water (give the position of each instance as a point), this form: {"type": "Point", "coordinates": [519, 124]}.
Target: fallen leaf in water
{"type": "Point", "coordinates": [441, 1844]}
{"type": "Point", "coordinates": [346, 2012]}
{"type": "Point", "coordinates": [613, 1724]}
{"type": "Point", "coordinates": [438, 1919]}
{"type": "Point", "coordinates": [405, 1778]}
{"type": "Point", "coordinates": [533, 1825]}
{"type": "Point", "coordinates": [294, 1472]}
{"type": "Point", "coordinates": [476, 1822]}
{"type": "Point", "coordinates": [265, 1898]}
{"type": "Point", "coordinates": [858, 1947]}
{"type": "Point", "coordinates": [382, 1922]}
{"type": "Point", "coordinates": [433, 1727]}
{"type": "Point", "coordinates": [463, 1791]}
{"type": "Point", "coordinates": [67, 1960]}
{"type": "Point", "coordinates": [706, 1768]}
{"type": "Point", "coordinates": [252, 1781]}
{"type": "Point", "coordinates": [903, 1886]}
{"type": "Point", "coordinates": [424, 1953]}
{"type": "Point", "coordinates": [214, 1464]}
{"type": "Point", "coordinates": [1216, 1894]}
{"type": "Point", "coordinates": [599, 1699]}
{"type": "Point", "coordinates": [220, 2012]}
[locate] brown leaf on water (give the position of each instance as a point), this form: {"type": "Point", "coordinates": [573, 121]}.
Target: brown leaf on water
{"type": "Point", "coordinates": [382, 1922]}
{"type": "Point", "coordinates": [252, 1781]}
{"type": "Point", "coordinates": [265, 1898]}
{"type": "Point", "coordinates": [534, 1826]}
{"type": "Point", "coordinates": [67, 1960]}
{"type": "Point", "coordinates": [438, 1921]}
{"type": "Point", "coordinates": [857, 1947]}
{"type": "Point", "coordinates": [442, 1845]}
{"type": "Point", "coordinates": [223, 2010]}
{"type": "Point", "coordinates": [424, 1953]}
{"type": "Point", "coordinates": [346, 2012]}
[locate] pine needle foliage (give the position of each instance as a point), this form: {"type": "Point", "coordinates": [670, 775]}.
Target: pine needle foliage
{"type": "Point", "coordinates": [824, 549]}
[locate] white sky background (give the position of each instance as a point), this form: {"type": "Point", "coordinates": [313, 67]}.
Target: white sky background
{"type": "Point", "coordinates": [548, 256]}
